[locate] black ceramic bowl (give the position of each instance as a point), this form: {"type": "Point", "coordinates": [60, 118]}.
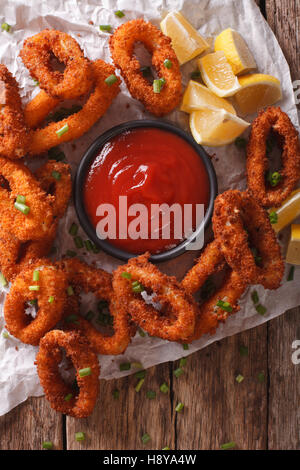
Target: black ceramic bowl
{"type": "Point", "coordinates": [87, 160]}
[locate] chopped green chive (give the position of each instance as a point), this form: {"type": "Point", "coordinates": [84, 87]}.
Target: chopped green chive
{"type": "Point", "coordinates": [158, 85]}
{"type": "Point", "coordinates": [224, 306]}
{"type": "Point", "coordinates": [261, 377]}
{"type": "Point", "coordinates": [164, 388]}
{"type": "Point", "coordinates": [240, 143]}
{"type": "Point", "coordinates": [168, 63]}
{"type": "Point", "coordinates": [85, 372]}
{"type": "Point", "coordinates": [79, 436]}
{"type": "Point", "coordinates": [88, 244]}
{"type": "Point", "coordinates": [95, 249]}
{"type": "Point", "coordinates": [141, 374]}
{"type": "Point", "coordinates": [291, 274]}
{"type": "Point", "coordinates": [68, 397]}
{"type": "Point", "coordinates": [71, 254]}
{"type": "Point", "coordinates": [228, 445]}
{"type": "Point", "coordinates": [73, 229]}
{"type": "Point", "coordinates": [139, 385]}
{"type": "Point", "coordinates": [196, 74]}
{"type": "Point", "coordinates": [145, 438]}
{"type": "Point", "coordinates": [36, 275]}
{"type": "Point", "coordinates": [136, 365]}
{"type": "Point", "coordinates": [179, 407]}
{"type": "Point", "coordinates": [22, 208]}
{"type": "Point", "coordinates": [21, 199]}
{"type": "Point", "coordinates": [185, 347]}
{"type": "Point", "coordinates": [254, 297]}
{"type": "Point", "coordinates": [78, 242]}
{"type": "Point", "coordinates": [141, 333]}
{"type": "Point", "coordinates": [137, 287]}
{"type": "Point", "coordinates": [243, 350]}
{"type": "Point", "coordinates": [261, 309]}
{"type": "Point", "coordinates": [36, 82]}
{"type": "Point", "coordinates": [47, 445]}
{"type": "Point", "coordinates": [56, 175]}
{"type": "Point", "coordinates": [274, 178]}
{"type": "Point", "coordinates": [150, 394]}
{"type": "Point", "coordinates": [178, 372]}
{"type": "Point", "coordinates": [3, 280]}
{"type": "Point", "coordinates": [125, 366]}
{"type": "Point", "coordinates": [34, 288]}
{"type": "Point", "coordinates": [166, 448]}
{"type": "Point", "coordinates": [5, 335]}
{"type": "Point", "coordinates": [111, 80]}
{"type": "Point", "coordinates": [239, 378]}
{"type": "Point", "coordinates": [126, 275]}
{"type": "Point", "coordinates": [273, 216]}
{"type": "Point", "coordinates": [6, 27]}
{"type": "Point", "coordinates": [116, 394]}
{"type": "Point", "coordinates": [146, 71]}
{"type": "Point", "coordinates": [32, 302]}
{"type": "Point", "coordinates": [62, 131]}
{"type": "Point", "coordinates": [183, 362]}
{"type": "Point", "coordinates": [70, 290]}
{"type": "Point", "coordinates": [105, 27]}
{"type": "Point", "coordinates": [119, 13]}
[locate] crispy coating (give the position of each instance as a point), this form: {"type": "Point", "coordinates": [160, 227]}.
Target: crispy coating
{"type": "Point", "coordinates": [122, 50]}
{"type": "Point", "coordinates": [177, 319]}
{"type": "Point", "coordinates": [77, 78]}
{"type": "Point", "coordinates": [52, 282]}
{"type": "Point", "coordinates": [38, 108]}
{"type": "Point", "coordinates": [209, 314]}
{"type": "Point", "coordinates": [100, 283]}
{"type": "Point", "coordinates": [14, 134]}
{"type": "Point", "coordinates": [38, 221]}
{"type": "Point", "coordinates": [235, 211]}
{"type": "Point", "coordinates": [257, 161]}
{"type": "Point", "coordinates": [79, 123]}
{"type": "Point", "coordinates": [56, 390]}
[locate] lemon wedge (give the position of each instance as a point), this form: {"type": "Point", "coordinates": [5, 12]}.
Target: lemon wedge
{"type": "Point", "coordinates": [217, 74]}
{"type": "Point", "coordinates": [288, 211]}
{"type": "Point", "coordinates": [257, 91]}
{"type": "Point", "coordinates": [197, 96]}
{"type": "Point", "coordinates": [293, 251]}
{"type": "Point", "coordinates": [186, 41]}
{"type": "Point", "coordinates": [216, 127]}
{"type": "Point", "coordinates": [236, 51]}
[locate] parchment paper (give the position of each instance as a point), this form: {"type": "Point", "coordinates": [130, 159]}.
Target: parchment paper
{"type": "Point", "coordinates": [18, 377]}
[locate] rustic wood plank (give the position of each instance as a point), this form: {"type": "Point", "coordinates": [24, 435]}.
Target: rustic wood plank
{"type": "Point", "coordinates": [218, 409]}
{"type": "Point", "coordinates": [27, 426]}
{"type": "Point", "coordinates": [120, 424]}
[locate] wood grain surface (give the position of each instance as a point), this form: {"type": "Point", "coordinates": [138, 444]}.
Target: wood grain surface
{"type": "Point", "coordinates": [256, 413]}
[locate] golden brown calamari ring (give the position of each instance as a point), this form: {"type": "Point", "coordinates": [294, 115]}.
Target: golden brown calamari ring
{"type": "Point", "coordinates": [52, 283]}
{"type": "Point", "coordinates": [38, 108]}
{"type": "Point", "coordinates": [79, 123]}
{"type": "Point", "coordinates": [234, 211]}
{"type": "Point", "coordinates": [257, 162]}
{"type": "Point", "coordinates": [61, 396]}
{"type": "Point", "coordinates": [77, 78]}
{"type": "Point", "coordinates": [122, 44]}
{"type": "Point", "coordinates": [14, 134]}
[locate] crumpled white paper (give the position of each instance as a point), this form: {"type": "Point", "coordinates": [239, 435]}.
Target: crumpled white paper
{"type": "Point", "coordinates": [18, 377]}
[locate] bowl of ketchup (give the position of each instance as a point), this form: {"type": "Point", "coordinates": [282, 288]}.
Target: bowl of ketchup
{"type": "Point", "coordinates": [145, 186]}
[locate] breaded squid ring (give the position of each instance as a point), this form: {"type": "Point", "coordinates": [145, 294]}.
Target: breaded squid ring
{"type": "Point", "coordinates": [60, 395]}
{"type": "Point", "coordinates": [257, 161]}
{"type": "Point", "coordinates": [79, 123]}
{"type": "Point", "coordinates": [37, 222]}
{"type": "Point", "coordinates": [77, 78]}
{"type": "Point", "coordinates": [177, 321]}
{"type": "Point", "coordinates": [38, 108]}
{"type": "Point", "coordinates": [50, 293]}
{"type": "Point", "coordinates": [234, 211]}
{"type": "Point", "coordinates": [210, 315]}
{"type": "Point", "coordinates": [100, 283]}
{"type": "Point", "coordinates": [122, 50]}
{"type": "Point", "coordinates": [14, 134]}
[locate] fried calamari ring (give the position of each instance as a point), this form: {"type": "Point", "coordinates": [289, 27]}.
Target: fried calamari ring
{"type": "Point", "coordinates": [176, 320]}
{"type": "Point", "coordinates": [77, 78]}
{"type": "Point", "coordinates": [79, 123]}
{"type": "Point", "coordinates": [14, 134]}
{"type": "Point", "coordinates": [122, 50]}
{"type": "Point", "coordinates": [100, 283]}
{"type": "Point", "coordinates": [257, 162]}
{"type": "Point", "coordinates": [50, 293]}
{"type": "Point", "coordinates": [209, 314]}
{"type": "Point", "coordinates": [38, 108]}
{"type": "Point", "coordinates": [60, 395]}
{"type": "Point", "coordinates": [37, 222]}
{"type": "Point", "coordinates": [234, 211]}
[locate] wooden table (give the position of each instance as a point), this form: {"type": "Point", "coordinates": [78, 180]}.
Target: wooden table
{"type": "Point", "coordinates": [217, 409]}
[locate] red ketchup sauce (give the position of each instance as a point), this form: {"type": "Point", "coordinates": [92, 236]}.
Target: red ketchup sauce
{"type": "Point", "coordinates": [149, 166]}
